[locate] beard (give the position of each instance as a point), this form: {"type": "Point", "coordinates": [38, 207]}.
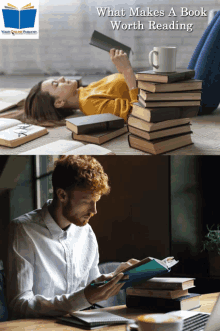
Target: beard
{"type": "Point", "coordinates": [79, 220]}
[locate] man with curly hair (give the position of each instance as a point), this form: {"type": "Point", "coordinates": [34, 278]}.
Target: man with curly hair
{"type": "Point", "coordinates": [53, 252]}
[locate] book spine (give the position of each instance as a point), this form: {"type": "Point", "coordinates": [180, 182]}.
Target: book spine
{"type": "Point", "coordinates": [93, 127]}
{"type": "Point", "coordinates": [147, 86]}
{"type": "Point", "coordinates": [176, 78]}
{"type": "Point", "coordinates": [154, 304]}
{"type": "Point", "coordinates": [129, 143]}
{"type": "Point", "coordinates": [167, 286]}
{"type": "Point", "coordinates": [156, 293]}
{"type": "Point", "coordinates": [189, 111]}
{"type": "Point", "coordinates": [165, 114]}
{"type": "Point", "coordinates": [114, 125]}
{"type": "Point", "coordinates": [103, 126]}
{"type": "Point", "coordinates": [181, 76]}
{"type": "Point", "coordinates": [178, 87]}
{"type": "Point", "coordinates": [162, 286]}
{"type": "Point", "coordinates": [158, 114]}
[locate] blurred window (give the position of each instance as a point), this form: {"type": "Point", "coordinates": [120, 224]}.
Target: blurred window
{"type": "Point", "coordinates": [44, 165]}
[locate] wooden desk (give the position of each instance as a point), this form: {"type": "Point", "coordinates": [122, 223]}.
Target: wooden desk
{"type": "Point", "coordinates": [207, 304]}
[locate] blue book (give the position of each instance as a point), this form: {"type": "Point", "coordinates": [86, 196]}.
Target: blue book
{"type": "Point", "coordinates": [144, 270]}
{"type": "Point", "coordinates": [19, 19]}
{"type": "Point", "coordinates": [147, 270]}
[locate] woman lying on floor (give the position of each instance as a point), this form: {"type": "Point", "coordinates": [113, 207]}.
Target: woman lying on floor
{"type": "Point", "coordinates": [50, 101]}
{"type": "Point", "coordinates": [53, 100]}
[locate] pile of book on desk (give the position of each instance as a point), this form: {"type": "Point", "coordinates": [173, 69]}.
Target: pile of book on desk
{"type": "Point", "coordinates": [159, 121]}
{"type": "Point", "coordinates": [163, 295]}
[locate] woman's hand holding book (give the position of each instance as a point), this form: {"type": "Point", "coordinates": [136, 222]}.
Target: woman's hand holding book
{"type": "Point", "coordinates": [123, 65]}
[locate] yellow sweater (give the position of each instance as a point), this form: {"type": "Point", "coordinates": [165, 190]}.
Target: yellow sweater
{"type": "Point", "coordinates": [108, 95]}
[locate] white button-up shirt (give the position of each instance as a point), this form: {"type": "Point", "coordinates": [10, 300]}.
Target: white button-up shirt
{"type": "Point", "coordinates": [48, 268]}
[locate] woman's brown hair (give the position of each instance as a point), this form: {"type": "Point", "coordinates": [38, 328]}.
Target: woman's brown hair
{"type": "Point", "coordinates": [39, 107]}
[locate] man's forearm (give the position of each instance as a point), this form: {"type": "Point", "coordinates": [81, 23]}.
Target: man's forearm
{"type": "Point", "coordinates": [29, 305]}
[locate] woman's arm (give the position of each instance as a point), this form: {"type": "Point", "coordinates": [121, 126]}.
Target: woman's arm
{"type": "Point", "coordinates": [123, 65]}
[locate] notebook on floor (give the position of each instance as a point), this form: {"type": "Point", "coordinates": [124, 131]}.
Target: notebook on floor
{"type": "Point", "coordinates": [92, 319]}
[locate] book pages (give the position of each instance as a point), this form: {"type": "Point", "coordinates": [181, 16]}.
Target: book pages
{"type": "Point", "coordinates": [6, 123]}
{"type": "Point", "coordinates": [55, 148]}
{"type": "Point", "coordinates": [170, 262]}
{"type": "Point", "coordinates": [12, 96]}
{"type": "Point", "coordinates": [89, 149]}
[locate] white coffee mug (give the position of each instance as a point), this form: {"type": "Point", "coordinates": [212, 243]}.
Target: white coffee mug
{"type": "Point", "coordinates": [163, 59]}
{"type": "Point", "coordinates": [160, 322]}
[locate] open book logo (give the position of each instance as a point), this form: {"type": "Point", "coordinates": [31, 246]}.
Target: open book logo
{"type": "Point", "coordinates": [19, 18]}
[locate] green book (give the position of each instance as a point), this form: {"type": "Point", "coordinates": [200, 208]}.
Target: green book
{"type": "Point", "coordinates": [144, 270]}
{"type": "Point", "coordinates": [106, 43]}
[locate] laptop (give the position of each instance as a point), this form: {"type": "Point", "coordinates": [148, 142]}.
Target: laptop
{"type": "Point", "coordinates": [197, 321]}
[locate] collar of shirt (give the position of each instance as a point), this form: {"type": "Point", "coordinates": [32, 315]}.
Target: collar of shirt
{"type": "Point", "coordinates": [55, 231]}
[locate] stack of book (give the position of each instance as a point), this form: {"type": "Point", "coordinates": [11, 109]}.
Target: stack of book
{"type": "Point", "coordinates": [163, 295]}
{"type": "Point", "coordinates": [96, 129]}
{"type": "Point", "coordinates": [159, 121]}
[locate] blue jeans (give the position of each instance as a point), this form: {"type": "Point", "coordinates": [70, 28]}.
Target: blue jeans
{"type": "Point", "coordinates": [206, 63]}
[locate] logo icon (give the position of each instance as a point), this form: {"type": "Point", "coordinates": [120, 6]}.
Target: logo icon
{"type": "Point", "coordinates": [19, 18]}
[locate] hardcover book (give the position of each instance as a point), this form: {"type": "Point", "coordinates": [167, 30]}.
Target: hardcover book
{"type": "Point", "coordinates": [188, 95]}
{"type": "Point", "coordinates": [151, 127]}
{"type": "Point", "coordinates": [161, 114]}
{"type": "Point", "coordinates": [188, 302]}
{"type": "Point", "coordinates": [155, 114]}
{"type": "Point", "coordinates": [160, 133]}
{"type": "Point", "coordinates": [171, 103]}
{"type": "Point", "coordinates": [149, 293]}
{"type": "Point", "coordinates": [168, 283]}
{"type": "Point", "coordinates": [103, 42]}
{"type": "Point", "coordinates": [152, 76]}
{"type": "Point", "coordinates": [162, 145]}
{"type": "Point", "coordinates": [94, 123]}
{"type": "Point", "coordinates": [187, 85]}
{"type": "Point", "coordinates": [100, 137]}
{"type": "Point", "coordinates": [146, 269]}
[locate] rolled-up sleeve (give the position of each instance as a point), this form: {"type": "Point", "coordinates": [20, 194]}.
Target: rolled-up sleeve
{"type": "Point", "coordinates": [22, 302]}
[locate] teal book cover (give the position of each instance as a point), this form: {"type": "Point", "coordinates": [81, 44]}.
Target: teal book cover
{"type": "Point", "coordinates": [146, 271]}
